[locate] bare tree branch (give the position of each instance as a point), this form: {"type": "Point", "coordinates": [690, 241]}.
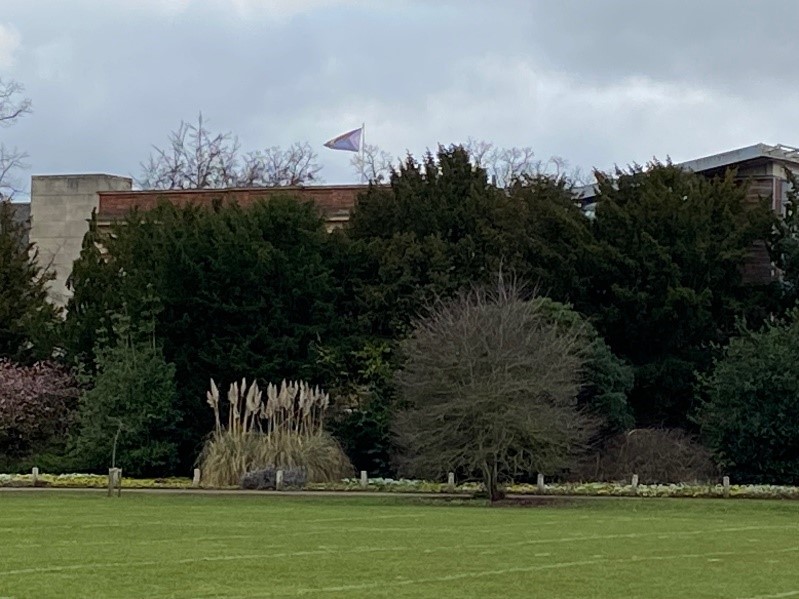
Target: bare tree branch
{"type": "Point", "coordinates": [481, 151]}
{"type": "Point", "coordinates": [197, 158]}
{"type": "Point", "coordinates": [11, 160]}
{"type": "Point", "coordinates": [276, 167]}
{"type": "Point", "coordinates": [374, 164]}
{"type": "Point", "coordinates": [504, 166]}
{"type": "Point", "coordinates": [13, 106]}
{"type": "Point", "coordinates": [490, 385]}
{"type": "Point", "coordinates": [194, 159]}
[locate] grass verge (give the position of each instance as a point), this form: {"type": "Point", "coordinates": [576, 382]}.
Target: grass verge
{"type": "Point", "coordinates": [67, 544]}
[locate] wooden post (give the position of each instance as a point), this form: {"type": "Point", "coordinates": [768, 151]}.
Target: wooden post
{"type": "Point", "coordinates": [279, 480]}
{"type": "Point", "coordinates": [35, 475]}
{"type": "Point", "coordinates": [635, 484]}
{"type": "Point", "coordinates": [364, 479]}
{"type": "Point", "coordinates": [451, 482]}
{"type": "Point", "coordinates": [541, 486]}
{"type": "Point", "coordinates": [726, 484]}
{"type": "Point", "coordinates": [115, 481]}
{"type": "Point", "coordinates": [195, 482]}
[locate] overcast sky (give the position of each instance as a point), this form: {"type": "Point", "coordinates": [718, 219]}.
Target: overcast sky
{"type": "Point", "coordinates": [595, 82]}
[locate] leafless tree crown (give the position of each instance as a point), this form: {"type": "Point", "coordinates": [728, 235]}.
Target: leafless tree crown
{"type": "Point", "coordinates": [13, 106]}
{"type": "Point", "coordinates": [196, 158]}
{"type": "Point", "coordinates": [373, 164]}
{"type": "Point", "coordinates": [505, 166]}
{"type": "Point", "coordinates": [275, 166]}
{"type": "Point", "coordinates": [491, 387]}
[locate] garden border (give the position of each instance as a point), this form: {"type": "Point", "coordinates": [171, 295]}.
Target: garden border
{"type": "Point", "coordinates": [365, 487]}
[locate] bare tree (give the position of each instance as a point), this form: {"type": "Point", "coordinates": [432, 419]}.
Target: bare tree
{"type": "Point", "coordinates": [373, 164]}
{"type": "Point", "coordinates": [197, 158]}
{"type": "Point", "coordinates": [275, 167]}
{"type": "Point", "coordinates": [194, 159]}
{"type": "Point", "coordinates": [491, 386]}
{"type": "Point", "coordinates": [504, 166]}
{"type": "Point", "coordinates": [481, 152]}
{"type": "Point", "coordinates": [13, 106]}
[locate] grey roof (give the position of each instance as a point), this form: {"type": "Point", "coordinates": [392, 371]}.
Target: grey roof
{"type": "Point", "coordinates": [779, 152]}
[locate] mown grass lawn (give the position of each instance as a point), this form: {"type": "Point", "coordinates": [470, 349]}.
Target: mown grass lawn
{"type": "Point", "coordinates": [83, 544]}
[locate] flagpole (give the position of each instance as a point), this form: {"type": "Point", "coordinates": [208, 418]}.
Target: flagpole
{"type": "Point", "coordinates": [363, 146]}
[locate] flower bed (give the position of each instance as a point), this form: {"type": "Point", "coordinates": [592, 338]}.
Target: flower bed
{"type": "Point", "coordinates": [669, 490]}
{"type": "Point", "coordinates": [90, 481]}
{"type": "Point", "coordinates": [570, 489]}
{"type": "Point", "coordinates": [388, 485]}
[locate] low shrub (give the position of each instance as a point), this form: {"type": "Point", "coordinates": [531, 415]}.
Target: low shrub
{"type": "Point", "coordinates": [655, 455]}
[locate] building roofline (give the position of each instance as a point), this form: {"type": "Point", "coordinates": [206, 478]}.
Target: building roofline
{"type": "Point", "coordinates": [723, 159]}
{"type": "Point", "coordinates": [779, 152]}
{"type": "Point", "coordinates": [224, 190]}
{"type": "Point", "coordinates": [67, 175]}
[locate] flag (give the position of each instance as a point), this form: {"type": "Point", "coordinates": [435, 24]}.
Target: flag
{"type": "Point", "coordinates": [349, 141]}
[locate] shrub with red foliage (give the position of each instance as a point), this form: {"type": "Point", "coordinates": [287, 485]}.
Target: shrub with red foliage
{"type": "Point", "coordinates": [37, 404]}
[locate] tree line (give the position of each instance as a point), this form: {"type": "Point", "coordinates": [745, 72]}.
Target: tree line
{"type": "Point", "coordinates": [643, 309]}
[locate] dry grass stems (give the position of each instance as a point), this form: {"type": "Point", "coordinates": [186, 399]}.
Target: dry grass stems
{"type": "Point", "coordinates": [283, 430]}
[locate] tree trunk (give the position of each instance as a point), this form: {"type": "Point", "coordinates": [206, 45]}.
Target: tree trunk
{"type": "Point", "coordinates": [491, 482]}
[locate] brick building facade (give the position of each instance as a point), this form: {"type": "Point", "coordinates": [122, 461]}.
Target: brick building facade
{"type": "Point", "coordinates": [335, 202]}
{"type": "Point", "coordinates": [61, 206]}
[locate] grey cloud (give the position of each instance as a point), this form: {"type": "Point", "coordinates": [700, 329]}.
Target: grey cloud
{"type": "Point", "coordinates": [724, 42]}
{"type": "Point", "coordinates": [595, 82]}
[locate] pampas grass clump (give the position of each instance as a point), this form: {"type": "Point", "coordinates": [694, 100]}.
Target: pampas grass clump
{"type": "Point", "coordinates": [283, 431]}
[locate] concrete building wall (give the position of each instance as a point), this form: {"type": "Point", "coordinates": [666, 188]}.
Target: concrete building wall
{"type": "Point", "coordinates": [61, 206]}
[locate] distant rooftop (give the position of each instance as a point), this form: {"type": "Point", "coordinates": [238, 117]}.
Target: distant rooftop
{"type": "Point", "coordinates": [778, 152]}
{"type": "Point", "coordinates": [724, 159]}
